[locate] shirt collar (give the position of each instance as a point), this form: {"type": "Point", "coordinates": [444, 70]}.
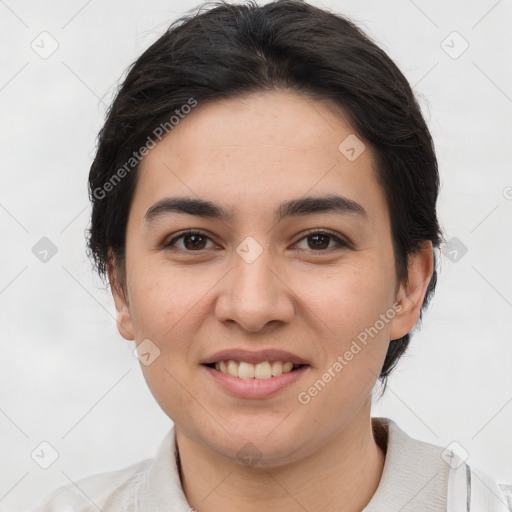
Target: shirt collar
{"type": "Point", "coordinates": [414, 478]}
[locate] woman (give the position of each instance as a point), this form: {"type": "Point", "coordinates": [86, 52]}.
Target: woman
{"type": "Point", "coordinates": [264, 206]}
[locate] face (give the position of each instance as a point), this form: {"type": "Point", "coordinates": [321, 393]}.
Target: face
{"type": "Point", "coordinates": [273, 273]}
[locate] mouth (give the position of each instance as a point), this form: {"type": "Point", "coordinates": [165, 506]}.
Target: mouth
{"type": "Point", "coordinates": [254, 381]}
{"type": "Point", "coordinates": [260, 371]}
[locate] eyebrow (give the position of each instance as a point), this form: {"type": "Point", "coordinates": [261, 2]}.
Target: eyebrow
{"type": "Point", "coordinates": [296, 207]}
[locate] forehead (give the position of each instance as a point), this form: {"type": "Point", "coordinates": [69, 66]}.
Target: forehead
{"type": "Point", "coordinates": [253, 151]}
{"type": "Point", "coordinates": [272, 119]}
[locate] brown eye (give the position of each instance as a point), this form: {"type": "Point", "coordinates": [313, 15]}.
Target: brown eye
{"type": "Point", "coordinates": [193, 241]}
{"type": "Point", "coordinates": [320, 241]}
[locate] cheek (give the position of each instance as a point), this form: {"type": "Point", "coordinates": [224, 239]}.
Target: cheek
{"type": "Point", "coordinates": [348, 300]}
{"type": "Point", "coordinates": [353, 341]}
{"type": "Point", "coordinates": [166, 307]}
{"type": "Point", "coordinates": [164, 300]}
{"type": "Point", "coordinates": [355, 309]}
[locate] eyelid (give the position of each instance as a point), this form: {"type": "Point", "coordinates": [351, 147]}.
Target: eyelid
{"type": "Point", "coordinates": [168, 241]}
{"type": "Point", "coordinates": [340, 240]}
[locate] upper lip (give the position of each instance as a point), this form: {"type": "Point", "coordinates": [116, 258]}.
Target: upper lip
{"type": "Point", "coordinates": [253, 357]}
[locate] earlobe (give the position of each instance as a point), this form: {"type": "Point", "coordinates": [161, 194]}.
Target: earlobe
{"type": "Point", "coordinates": [123, 315]}
{"type": "Point", "coordinates": [412, 292]}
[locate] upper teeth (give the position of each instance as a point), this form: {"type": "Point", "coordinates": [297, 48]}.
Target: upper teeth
{"type": "Point", "coordinates": [263, 370]}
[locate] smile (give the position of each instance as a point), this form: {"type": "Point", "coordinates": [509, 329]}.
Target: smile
{"type": "Point", "coordinates": [244, 386]}
{"type": "Point", "coordinates": [263, 370]}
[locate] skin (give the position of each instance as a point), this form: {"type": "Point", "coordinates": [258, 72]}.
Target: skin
{"type": "Point", "coordinates": [250, 154]}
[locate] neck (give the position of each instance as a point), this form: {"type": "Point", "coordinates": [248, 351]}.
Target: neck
{"type": "Point", "coordinates": [324, 481]}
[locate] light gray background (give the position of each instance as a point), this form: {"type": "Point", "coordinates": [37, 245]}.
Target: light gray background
{"type": "Point", "coordinates": [67, 376]}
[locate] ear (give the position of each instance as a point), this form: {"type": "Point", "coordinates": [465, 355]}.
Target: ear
{"type": "Point", "coordinates": [412, 292]}
{"type": "Point", "coordinates": [123, 315]}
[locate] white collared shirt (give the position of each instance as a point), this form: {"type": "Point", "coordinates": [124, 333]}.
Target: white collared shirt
{"type": "Point", "coordinates": [417, 477]}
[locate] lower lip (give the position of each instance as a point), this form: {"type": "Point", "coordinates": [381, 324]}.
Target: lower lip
{"type": "Point", "coordinates": [255, 388]}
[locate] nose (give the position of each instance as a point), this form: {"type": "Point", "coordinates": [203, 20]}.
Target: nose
{"type": "Point", "coordinates": [255, 295]}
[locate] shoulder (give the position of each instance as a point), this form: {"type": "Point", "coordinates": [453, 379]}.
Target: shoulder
{"type": "Point", "coordinates": [473, 490]}
{"type": "Point", "coordinates": [431, 476]}
{"type": "Point", "coordinates": [148, 485]}
{"type": "Point", "coordinates": [110, 491]}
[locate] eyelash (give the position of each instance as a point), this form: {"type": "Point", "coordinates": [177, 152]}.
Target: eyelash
{"type": "Point", "coordinates": [326, 232]}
